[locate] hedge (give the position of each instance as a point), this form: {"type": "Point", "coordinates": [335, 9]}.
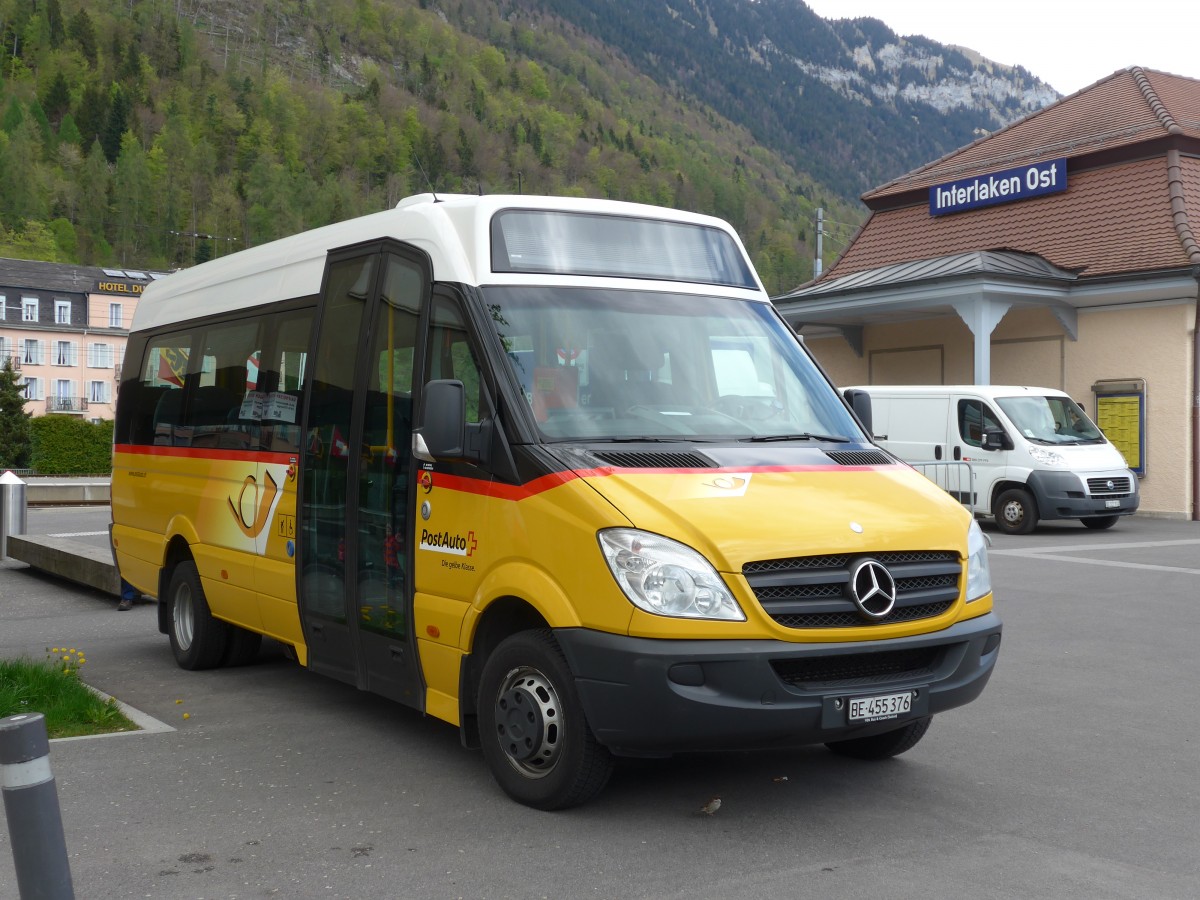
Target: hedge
{"type": "Point", "coordinates": [65, 445]}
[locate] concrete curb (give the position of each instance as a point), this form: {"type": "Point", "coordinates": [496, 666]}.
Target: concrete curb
{"type": "Point", "coordinates": [67, 558]}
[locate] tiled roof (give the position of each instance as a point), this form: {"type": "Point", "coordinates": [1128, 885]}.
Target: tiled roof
{"type": "Point", "coordinates": [1133, 199]}
{"type": "Point", "coordinates": [1110, 220]}
{"type": "Point", "coordinates": [1131, 106]}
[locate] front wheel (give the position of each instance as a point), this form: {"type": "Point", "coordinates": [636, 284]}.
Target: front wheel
{"type": "Point", "coordinates": [1016, 511]}
{"type": "Point", "coordinates": [535, 738]}
{"type": "Point", "coordinates": [1099, 523]}
{"type": "Point", "coordinates": [197, 639]}
{"type": "Point", "coordinates": [883, 746]}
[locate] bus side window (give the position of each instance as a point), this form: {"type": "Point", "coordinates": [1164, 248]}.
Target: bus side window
{"type": "Point", "coordinates": [281, 380]}
{"type": "Point", "coordinates": [452, 356]}
{"type": "Point", "coordinates": [160, 400]}
{"type": "Point", "coordinates": [225, 410]}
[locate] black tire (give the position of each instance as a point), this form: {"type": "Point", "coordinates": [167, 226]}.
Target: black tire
{"type": "Point", "coordinates": [1016, 511]}
{"type": "Point", "coordinates": [197, 639]}
{"type": "Point", "coordinates": [535, 738]}
{"type": "Point", "coordinates": [1099, 523]}
{"type": "Point", "coordinates": [883, 746]}
{"type": "Point", "coordinates": [242, 648]}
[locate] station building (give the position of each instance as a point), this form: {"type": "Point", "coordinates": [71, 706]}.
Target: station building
{"type": "Point", "coordinates": [1061, 251]}
{"type": "Point", "coordinates": [64, 329]}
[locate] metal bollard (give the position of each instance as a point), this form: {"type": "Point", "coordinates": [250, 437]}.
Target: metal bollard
{"type": "Point", "coordinates": [31, 807]}
{"type": "Point", "coordinates": [13, 509]}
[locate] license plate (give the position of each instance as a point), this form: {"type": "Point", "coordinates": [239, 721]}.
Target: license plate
{"type": "Point", "coordinates": [885, 706]}
{"type": "Point", "coordinates": [1112, 504]}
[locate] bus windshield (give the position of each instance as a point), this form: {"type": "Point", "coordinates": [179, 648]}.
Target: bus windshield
{"type": "Point", "coordinates": [627, 365]}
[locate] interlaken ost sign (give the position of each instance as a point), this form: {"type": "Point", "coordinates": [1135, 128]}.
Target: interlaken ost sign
{"type": "Point", "coordinates": [1021, 183]}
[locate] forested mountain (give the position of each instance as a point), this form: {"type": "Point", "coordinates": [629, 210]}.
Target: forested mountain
{"type": "Point", "coordinates": [159, 133]}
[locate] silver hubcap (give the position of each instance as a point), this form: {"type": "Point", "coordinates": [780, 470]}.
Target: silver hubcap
{"type": "Point", "coordinates": [1013, 512]}
{"type": "Point", "coordinates": [183, 617]}
{"type": "Point", "coordinates": [529, 722]}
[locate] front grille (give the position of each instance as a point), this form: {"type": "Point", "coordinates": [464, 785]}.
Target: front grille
{"type": "Point", "coordinates": [1098, 487]}
{"type": "Point", "coordinates": [858, 668]}
{"type": "Point", "coordinates": [814, 591]}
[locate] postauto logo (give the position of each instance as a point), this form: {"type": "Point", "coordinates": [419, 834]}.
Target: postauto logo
{"type": "Point", "coordinates": [445, 542]}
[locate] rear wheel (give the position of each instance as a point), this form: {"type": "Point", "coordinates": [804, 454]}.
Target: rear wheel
{"type": "Point", "coordinates": [883, 746]}
{"type": "Point", "coordinates": [1099, 523]}
{"type": "Point", "coordinates": [535, 738]}
{"type": "Point", "coordinates": [197, 639]}
{"type": "Point", "coordinates": [1016, 511]}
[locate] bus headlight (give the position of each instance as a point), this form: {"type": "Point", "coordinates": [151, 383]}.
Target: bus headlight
{"type": "Point", "coordinates": [979, 573]}
{"type": "Point", "coordinates": [665, 577]}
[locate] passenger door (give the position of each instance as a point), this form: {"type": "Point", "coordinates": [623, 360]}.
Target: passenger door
{"type": "Point", "coordinates": [355, 547]}
{"type": "Point", "coordinates": [973, 417]}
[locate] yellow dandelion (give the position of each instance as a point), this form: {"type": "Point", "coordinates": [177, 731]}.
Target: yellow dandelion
{"type": "Point", "coordinates": [187, 715]}
{"type": "Point", "coordinates": [177, 702]}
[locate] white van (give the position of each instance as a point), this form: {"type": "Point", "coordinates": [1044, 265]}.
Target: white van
{"type": "Point", "coordinates": [1033, 453]}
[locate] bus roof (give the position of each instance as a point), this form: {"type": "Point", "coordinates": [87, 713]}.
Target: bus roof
{"type": "Point", "coordinates": [453, 229]}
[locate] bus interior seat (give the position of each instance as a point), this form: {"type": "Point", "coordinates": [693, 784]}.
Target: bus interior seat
{"type": "Point", "coordinates": [623, 370]}
{"type": "Point", "coordinates": [167, 415]}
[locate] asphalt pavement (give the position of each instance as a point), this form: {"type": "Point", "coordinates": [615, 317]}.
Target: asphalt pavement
{"type": "Point", "coordinates": [1076, 774]}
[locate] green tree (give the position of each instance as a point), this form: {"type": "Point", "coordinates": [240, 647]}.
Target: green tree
{"type": "Point", "coordinates": [58, 98]}
{"type": "Point", "coordinates": [83, 32]}
{"type": "Point", "coordinates": [16, 435]}
{"type": "Point", "coordinates": [116, 124]}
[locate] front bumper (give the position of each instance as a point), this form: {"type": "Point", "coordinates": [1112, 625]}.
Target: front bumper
{"type": "Point", "coordinates": [1066, 495]}
{"type": "Point", "coordinates": [656, 697]}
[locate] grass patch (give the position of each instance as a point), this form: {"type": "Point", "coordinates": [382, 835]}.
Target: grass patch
{"type": "Point", "coordinates": [52, 687]}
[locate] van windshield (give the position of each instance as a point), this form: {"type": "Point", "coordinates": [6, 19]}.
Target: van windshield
{"type": "Point", "coordinates": [627, 365]}
{"type": "Point", "coordinates": [1051, 420]}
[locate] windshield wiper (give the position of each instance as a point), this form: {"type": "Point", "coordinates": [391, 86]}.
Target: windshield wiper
{"type": "Point", "coordinates": [804, 436]}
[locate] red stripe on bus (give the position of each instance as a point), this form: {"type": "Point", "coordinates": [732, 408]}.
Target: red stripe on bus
{"type": "Point", "coordinates": [263, 456]}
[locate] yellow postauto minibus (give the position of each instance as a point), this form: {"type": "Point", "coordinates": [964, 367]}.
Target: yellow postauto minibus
{"type": "Point", "coordinates": [553, 470]}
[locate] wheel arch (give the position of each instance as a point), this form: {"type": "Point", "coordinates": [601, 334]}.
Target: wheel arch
{"type": "Point", "coordinates": [1006, 484]}
{"type": "Point", "coordinates": [178, 549]}
{"type": "Point", "coordinates": [503, 617]}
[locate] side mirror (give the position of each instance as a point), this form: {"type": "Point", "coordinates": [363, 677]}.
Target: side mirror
{"type": "Point", "coordinates": [442, 432]}
{"type": "Point", "coordinates": [860, 405]}
{"type": "Point", "coordinates": [996, 439]}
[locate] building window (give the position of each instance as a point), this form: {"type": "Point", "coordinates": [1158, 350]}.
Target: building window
{"type": "Point", "coordinates": [99, 391]}
{"type": "Point", "coordinates": [115, 316]}
{"type": "Point", "coordinates": [100, 356]}
{"type": "Point", "coordinates": [29, 309]}
{"type": "Point", "coordinates": [64, 353]}
{"type": "Point", "coordinates": [64, 395]}
{"type": "Point", "coordinates": [62, 312]}
{"type": "Point", "coordinates": [31, 352]}
{"type": "Point", "coordinates": [3, 307]}
{"type": "Point", "coordinates": [33, 389]}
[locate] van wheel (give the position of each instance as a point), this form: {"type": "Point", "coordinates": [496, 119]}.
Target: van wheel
{"type": "Point", "coordinates": [1099, 523]}
{"type": "Point", "coordinates": [883, 746]}
{"type": "Point", "coordinates": [1016, 511]}
{"type": "Point", "coordinates": [197, 639]}
{"type": "Point", "coordinates": [535, 738]}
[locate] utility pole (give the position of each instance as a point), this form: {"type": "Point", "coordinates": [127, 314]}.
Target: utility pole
{"type": "Point", "coordinates": [817, 264]}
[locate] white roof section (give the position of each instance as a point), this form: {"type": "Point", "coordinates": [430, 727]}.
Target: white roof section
{"type": "Point", "coordinates": [984, 391]}
{"type": "Point", "coordinates": [453, 229]}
